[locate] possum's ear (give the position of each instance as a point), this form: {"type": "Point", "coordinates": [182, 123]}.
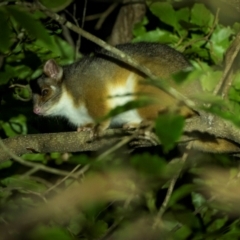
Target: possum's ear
{"type": "Point", "coordinates": [53, 70]}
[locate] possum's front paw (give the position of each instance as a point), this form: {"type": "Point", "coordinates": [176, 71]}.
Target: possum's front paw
{"type": "Point", "coordinates": [95, 130]}
{"type": "Point", "coordinates": [86, 128]}
{"type": "Point", "coordinates": [99, 129]}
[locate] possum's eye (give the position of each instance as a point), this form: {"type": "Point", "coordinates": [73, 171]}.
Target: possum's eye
{"type": "Point", "coordinates": [45, 91]}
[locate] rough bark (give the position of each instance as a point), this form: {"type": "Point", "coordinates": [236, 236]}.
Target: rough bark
{"type": "Point", "coordinates": [207, 133]}
{"type": "Point", "coordinates": [130, 13]}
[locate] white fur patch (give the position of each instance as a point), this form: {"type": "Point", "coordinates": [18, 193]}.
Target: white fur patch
{"type": "Point", "coordinates": [120, 95]}
{"type": "Point", "coordinates": [65, 107]}
{"type": "Point", "coordinates": [129, 117]}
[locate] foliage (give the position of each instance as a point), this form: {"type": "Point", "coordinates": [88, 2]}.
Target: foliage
{"type": "Point", "coordinates": [139, 181]}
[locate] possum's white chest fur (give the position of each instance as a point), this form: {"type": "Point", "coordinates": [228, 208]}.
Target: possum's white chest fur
{"type": "Point", "coordinates": [120, 95]}
{"type": "Point", "coordinates": [77, 116]}
{"type": "Point", "coordinates": [117, 96]}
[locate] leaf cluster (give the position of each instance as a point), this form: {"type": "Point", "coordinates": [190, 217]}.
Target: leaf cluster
{"type": "Point", "coordinates": [157, 193]}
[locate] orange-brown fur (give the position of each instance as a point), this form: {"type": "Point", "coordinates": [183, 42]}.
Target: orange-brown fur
{"type": "Point", "coordinates": [86, 85]}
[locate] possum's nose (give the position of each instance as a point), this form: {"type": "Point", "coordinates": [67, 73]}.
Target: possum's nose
{"type": "Point", "coordinates": [37, 110]}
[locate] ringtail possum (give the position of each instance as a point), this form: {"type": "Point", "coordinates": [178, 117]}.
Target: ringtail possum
{"type": "Point", "coordinates": [88, 89]}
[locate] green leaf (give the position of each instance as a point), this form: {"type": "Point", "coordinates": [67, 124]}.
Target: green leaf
{"type": "Point", "coordinates": [157, 35]}
{"type": "Point", "coordinates": [186, 217]}
{"type": "Point", "coordinates": [236, 27]}
{"type": "Point", "coordinates": [210, 80]}
{"type": "Point", "coordinates": [6, 73]}
{"type": "Point", "coordinates": [149, 164]}
{"type": "Point", "coordinates": [23, 184]}
{"type": "Point", "coordinates": [34, 157]}
{"type": "Point", "coordinates": [32, 25]}
{"type": "Point", "coordinates": [76, 223]}
{"type": "Point", "coordinates": [197, 42]}
{"type": "Point", "coordinates": [151, 202]}
{"type": "Point", "coordinates": [23, 93]}
{"type": "Point", "coordinates": [234, 94]}
{"type": "Point", "coordinates": [65, 51]}
{"type": "Point", "coordinates": [215, 101]}
{"type": "Point", "coordinates": [56, 5]}
{"type": "Point", "coordinates": [183, 233]}
{"type": "Point", "coordinates": [165, 12]}
{"type": "Point", "coordinates": [183, 16]}
{"type": "Point", "coordinates": [62, 49]}
{"type": "Point", "coordinates": [140, 102]}
{"type": "Point", "coordinates": [93, 209]}
{"type": "Point", "coordinates": [198, 200]}
{"type": "Point", "coordinates": [5, 32]}
{"type": "Point", "coordinates": [15, 126]}
{"type": "Point", "coordinates": [180, 193]}
{"type": "Point", "coordinates": [49, 233]}
{"type": "Point", "coordinates": [208, 77]}
{"type": "Point", "coordinates": [99, 229]}
{"type": "Point", "coordinates": [80, 159]}
{"type": "Point", "coordinates": [139, 28]}
{"type": "Point", "coordinates": [181, 76]}
{"type": "Point", "coordinates": [88, 223]}
{"type": "Point", "coordinates": [220, 108]}
{"type": "Point", "coordinates": [220, 41]}
{"type": "Point", "coordinates": [217, 224]}
{"type": "Point", "coordinates": [236, 83]}
{"type": "Point", "coordinates": [202, 17]}
{"type": "Point", "coordinates": [5, 164]}
{"type": "Point", "coordinates": [169, 128]}
{"type": "Point", "coordinates": [233, 231]}
{"type": "Point", "coordinates": [55, 155]}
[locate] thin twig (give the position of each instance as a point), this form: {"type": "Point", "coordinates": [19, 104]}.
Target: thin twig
{"type": "Point", "coordinates": [62, 180]}
{"type": "Point", "coordinates": [30, 172]}
{"type": "Point", "coordinates": [82, 170]}
{"type": "Point", "coordinates": [93, 17]}
{"type": "Point", "coordinates": [35, 166]}
{"type": "Point", "coordinates": [231, 55]}
{"type": "Point", "coordinates": [78, 43]}
{"type": "Point", "coordinates": [67, 35]}
{"type": "Point", "coordinates": [199, 209]}
{"type": "Point", "coordinates": [206, 38]}
{"type": "Point", "coordinates": [114, 148]}
{"type": "Point", "coordinates": [166, 201]}
{"type": "Point", "coordinates": [103, 155]}
{"type": "Point", "coordinates": [36, 194]}
{"type": "Point", "coordinates": [118, 221]}
{"type": "Point", "coordinates": [170, 189]}
{"type": "Point", "coordinates": [127, 139]}
{"type": "Point", "coordinates": [105, 14]}
{"type": "Point", "coordinates": [41, 180]}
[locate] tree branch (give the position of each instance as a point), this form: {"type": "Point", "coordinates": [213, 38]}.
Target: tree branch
{"type": "Point", "coordinates": [208, 133]}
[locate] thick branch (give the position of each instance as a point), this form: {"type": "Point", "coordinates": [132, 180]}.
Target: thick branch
{"type": "Point", "coordinates": [207, 132]}
{"type": "Point", "coordinates": [213, 134]}
{"type": "Point", "coordinates": [53, 142]}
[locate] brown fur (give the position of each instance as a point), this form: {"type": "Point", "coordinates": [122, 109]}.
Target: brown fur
{"type": "Point", "coordinates": [87, 82]}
